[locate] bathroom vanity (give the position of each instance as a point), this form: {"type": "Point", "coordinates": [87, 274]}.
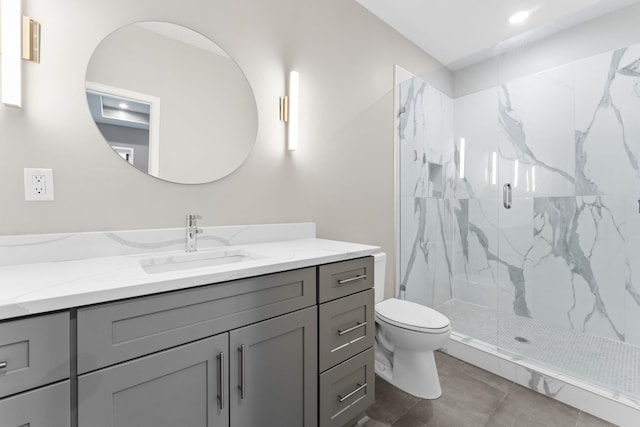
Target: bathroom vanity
{"type": "Point", "coordinates": [282, 338]}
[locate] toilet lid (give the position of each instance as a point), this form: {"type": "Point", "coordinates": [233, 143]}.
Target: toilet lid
{"type": "Point", "coordinates": [410, 315]}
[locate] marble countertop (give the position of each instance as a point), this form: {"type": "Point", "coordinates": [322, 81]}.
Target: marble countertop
{"type": "Point", "coordinates": [27, 289]}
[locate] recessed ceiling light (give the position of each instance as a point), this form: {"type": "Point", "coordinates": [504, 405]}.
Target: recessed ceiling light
{"type": "Point", "coordinates": [123, 105]}
{"type": "Point", "coordinates": [519, 17]}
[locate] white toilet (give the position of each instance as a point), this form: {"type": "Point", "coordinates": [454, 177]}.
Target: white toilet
{"type": "Point", "coordinates": [406, 336]}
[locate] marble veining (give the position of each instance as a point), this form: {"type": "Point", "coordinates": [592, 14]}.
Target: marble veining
{"type": "Point", "coordinates": [65, 280]}
{"type": "Point", "coordinates": [25, 249]}
{"type": "Point", "coordinates": [425, 122]}
{"type": "Point", "coordinates": [559, 221]}
{"type": "Point", "coordinates": [514, 130]}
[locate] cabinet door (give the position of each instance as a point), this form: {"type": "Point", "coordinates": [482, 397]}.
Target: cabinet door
{"type": "Point", "coordinates": [177, 387]}
{"type": "Point", "coordinates": [274, 366]}
{"type": "Point", "coordinates": [44, 407]}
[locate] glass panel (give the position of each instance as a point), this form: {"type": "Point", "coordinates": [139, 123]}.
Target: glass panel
{"type": "Point", "coordinates": [569, 144]}
{"type": "Point", "coordinates": [426, 151]}
{"type": "Point", "coordinates": [472, 309]}
{"type": "Point", "coordinates": [448, 204]}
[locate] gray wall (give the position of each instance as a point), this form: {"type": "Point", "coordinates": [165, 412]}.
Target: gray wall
{"type": "Point", "coordinates": [341, 177]}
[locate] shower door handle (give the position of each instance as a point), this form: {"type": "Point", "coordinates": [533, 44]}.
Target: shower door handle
{"type": "Point", "coordinates": [507, 196]}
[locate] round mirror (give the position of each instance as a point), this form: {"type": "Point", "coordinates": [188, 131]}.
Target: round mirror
{"type": "Point", "coordinates": [171, 102]}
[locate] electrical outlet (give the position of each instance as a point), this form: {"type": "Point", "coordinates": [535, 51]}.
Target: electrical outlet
{"type": "Point", "coordinates": [38, 184]}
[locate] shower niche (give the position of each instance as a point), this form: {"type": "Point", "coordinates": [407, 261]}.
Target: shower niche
{"type": "Point", "coordinates": [435, 180]}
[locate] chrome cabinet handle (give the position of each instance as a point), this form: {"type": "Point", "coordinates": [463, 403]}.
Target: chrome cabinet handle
{"type": "Point", "coordinates": [506, 196]}
{"type": "Point", "coordinates": [360, 387]}
{"type": "Point", "coordinates": [353, 328]}
{"type": "Point", "coordinates": [221, 380]}
{"type": "Point", "coordinates": [3, 364]}
{"type": "Point", "coordinates": [353, 279]}
{"type": "Point", "coordinates": [241, 386]}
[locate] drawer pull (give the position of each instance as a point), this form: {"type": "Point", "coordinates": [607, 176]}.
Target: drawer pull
{"type": "Point", "coordinates": [241, 386]}
{"type": "Point", "coordinates": [221, 379]}
{"type": "Point", "coordinates": [351, 329]}
{"type": "Point", "coordinates": [353, 279]}
{"type": "Point", "coordinates": [3, 364]}
{"type": "Point", "coordinates": [360, 387]}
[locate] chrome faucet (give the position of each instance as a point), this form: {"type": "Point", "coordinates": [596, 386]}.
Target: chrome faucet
{"type": "Point", "coordinates": [192, 232]}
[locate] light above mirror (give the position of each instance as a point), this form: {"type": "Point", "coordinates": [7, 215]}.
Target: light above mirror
{"type": "Point", "coordinates": [171, 102]}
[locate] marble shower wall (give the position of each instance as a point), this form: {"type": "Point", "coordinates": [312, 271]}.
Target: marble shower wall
{"type": "Point", "coordinates": [568, 252]}
{"type": "Point", "coordinates": [427, 171]}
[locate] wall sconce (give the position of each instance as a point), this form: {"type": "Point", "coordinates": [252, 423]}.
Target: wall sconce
{"type": "Point", "coordinates": [289, 111]}
{"type": "Point", "coordinates": [20, 39]}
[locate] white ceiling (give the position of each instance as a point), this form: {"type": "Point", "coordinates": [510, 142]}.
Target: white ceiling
{"type": "Point", "coordinates": [460, 32]}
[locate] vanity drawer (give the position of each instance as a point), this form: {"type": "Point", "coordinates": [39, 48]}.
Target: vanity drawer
{"type": "Point", "coordinates": [112, 333]}
{"type": "Point", "coordinates": [347, 327]}
{"type": "Point", "coordinates": [33, 352]}
{"type": "Point", "coordinates": [344, 278]}
{"type": "Point", "coordinates": [347, 390]}
{"type": "Point", "coordinates": [44, 407]}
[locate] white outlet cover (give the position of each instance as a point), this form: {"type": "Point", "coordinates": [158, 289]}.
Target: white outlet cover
{"type": "Point", "coordinates": [29, 191]}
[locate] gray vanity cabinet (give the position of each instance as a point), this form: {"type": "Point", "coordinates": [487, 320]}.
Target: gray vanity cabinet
{"type": "Point", "coordinates": [242, 353]}
{"type": "Point", "coordinates": [274, 372]}
{"type": "Point", "coordinates": [183, 386]}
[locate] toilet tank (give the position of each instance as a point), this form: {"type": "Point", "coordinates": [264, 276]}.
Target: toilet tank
{"type": "Point", "coordinates": [379, 271]}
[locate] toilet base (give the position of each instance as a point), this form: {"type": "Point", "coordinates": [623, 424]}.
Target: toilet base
{"type": "Point", "coordinates": [416, 373]}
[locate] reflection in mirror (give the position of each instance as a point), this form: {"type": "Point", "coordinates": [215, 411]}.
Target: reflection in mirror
{"type": "Point", "coordinates": [171, 102]}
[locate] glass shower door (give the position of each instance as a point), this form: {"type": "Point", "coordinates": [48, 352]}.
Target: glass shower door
{"type": "Point", "coordinates": [568, 157]}
{"type": "Point", "coordinates": [537, 178]}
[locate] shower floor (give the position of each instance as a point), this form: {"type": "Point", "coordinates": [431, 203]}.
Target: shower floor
{"type": "Point", "coordinates": [602, 361]}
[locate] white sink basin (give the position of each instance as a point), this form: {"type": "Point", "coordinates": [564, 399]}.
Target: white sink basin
{"type": "Point", "coordinates": [203, 259]}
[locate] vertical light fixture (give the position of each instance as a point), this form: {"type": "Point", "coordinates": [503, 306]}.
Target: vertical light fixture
{"type": "Point", "coordinates": [533, 178]}
{"type": "Point", "coordinates": [20, 39]}
{"type": "Point", "coordinates": [462, 154]}
{"type": "Point", "coordinates": [289, 110]}
{"type": "Point", "coordinates": [11, 48]}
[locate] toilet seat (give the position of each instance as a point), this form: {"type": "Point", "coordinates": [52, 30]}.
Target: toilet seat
{"type": "Point", "coordinates": [412, 316]}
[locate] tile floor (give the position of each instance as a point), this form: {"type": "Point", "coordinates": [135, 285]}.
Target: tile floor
{"type": "Point", "coordinates": [472, 397]}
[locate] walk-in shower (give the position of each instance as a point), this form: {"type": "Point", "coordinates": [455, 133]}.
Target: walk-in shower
{"type": "Point", "coordinates": [519, 208]}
